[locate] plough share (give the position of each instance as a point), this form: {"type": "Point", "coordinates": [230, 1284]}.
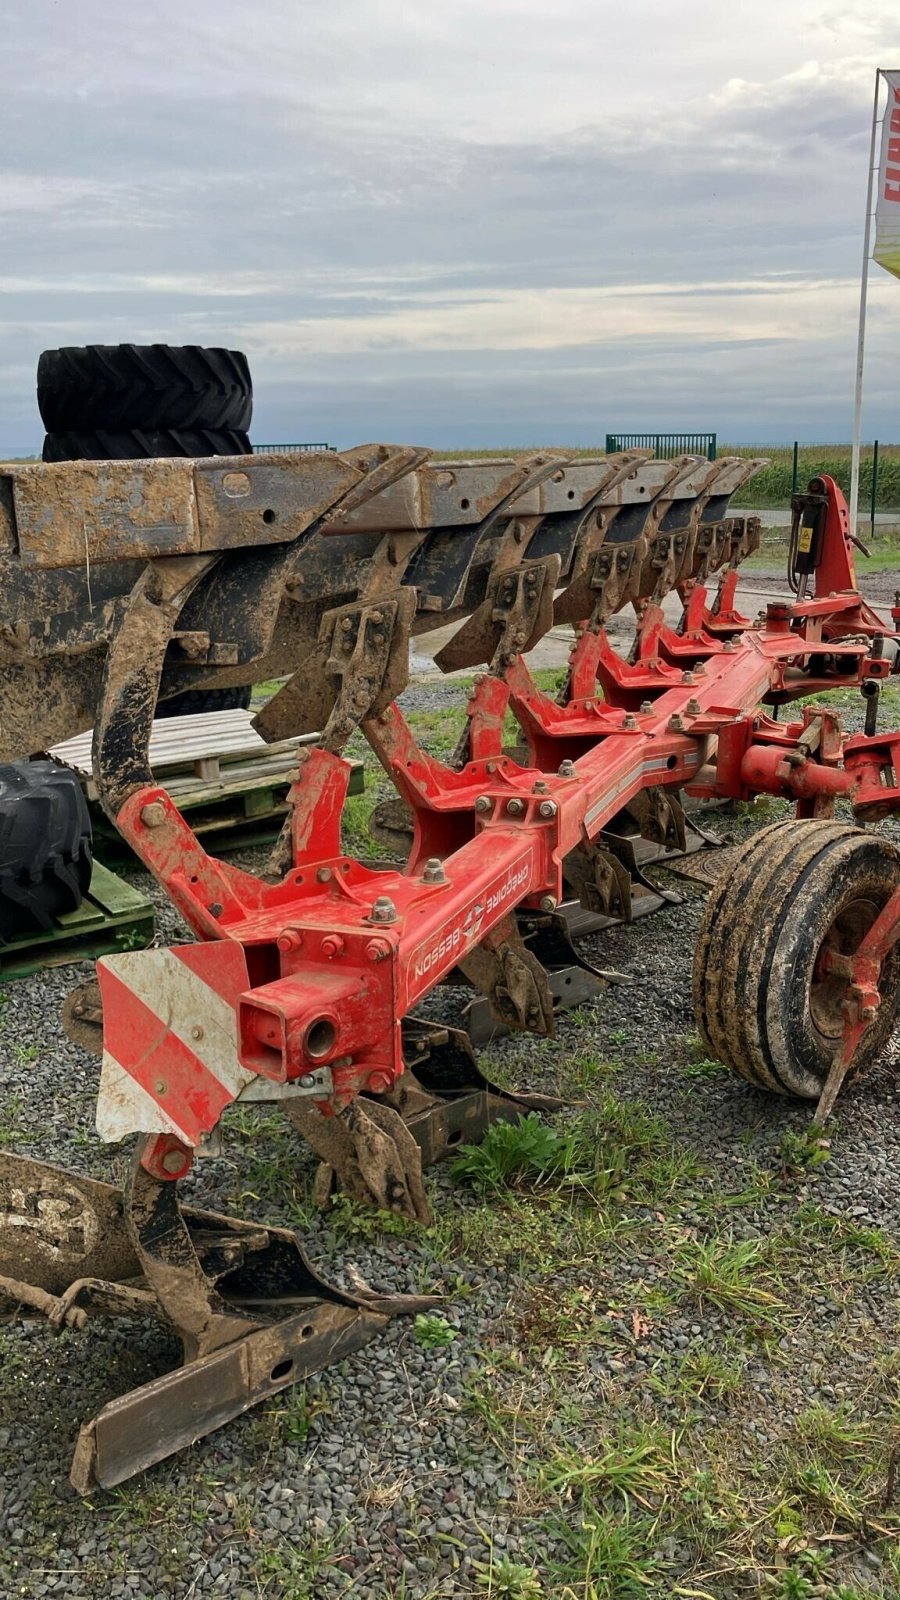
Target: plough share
{"type": "Point", "coordinates": [131, 581]}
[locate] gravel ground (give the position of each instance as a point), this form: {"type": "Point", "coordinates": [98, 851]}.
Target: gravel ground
{"type": "Point", "coordinates": [384, 1478]}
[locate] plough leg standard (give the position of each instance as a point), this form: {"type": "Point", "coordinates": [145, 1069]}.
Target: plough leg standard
{"type": "Point", "coordinates": [302, 987]}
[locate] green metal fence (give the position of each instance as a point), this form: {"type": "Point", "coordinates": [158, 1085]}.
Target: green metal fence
{"type": "Point", "coordinates": [290, 449]}
{"type": "Point", "coordinates": [665, 445]}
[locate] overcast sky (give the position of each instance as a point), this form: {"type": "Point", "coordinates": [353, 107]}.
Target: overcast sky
{"type": "Point", "coordinates": [465, 223]}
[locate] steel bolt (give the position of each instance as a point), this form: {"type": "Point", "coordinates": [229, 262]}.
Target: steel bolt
{"type": "Point", "coordinates": [197, 1032]}
{"type": "Point", "coordinates": [309, 1081]}
{"type": "Point", "coordinates": [693, 707]}
{"type": "Point", "coordinates": [483, 803]}
{"type": "Point", "coordinates": [646, 707]}
{"type": "Point", "coordinates": [540, 787]}
{"type": "Point", "coordinates": [549, 903]}
{"type": "Point", "coordinates": [160, 1086]}
{"type": "Point", "coordinates": [376, 950]}
{"type": "Point", "coordinates": [346, 624]}
{"type": "Point", "coordinates": [630, 720]}
{"type": "Point", "coordinates": [434, 871]}
{"type": "Point", "coordinates": [153, 815]}
{"type": "Point", "coordinates": [547, 808]}
{"type": "Point", "coordinates": [515, 807]}
{"type": "Point", "coordinates": [323, 875]}
{"type": "Point", "coordinates": [291, 939]}
{"type": "Point", "coordinates": [728, 646]}
{"type": "Point", "coordinates": [332, 945]}
{"type": "Point", "coordinates": [687, 677]}
{"type": "Point", "coordinates": [383, 909]}
{"type": "Point", "coordinates": [566, 769]}
{"type": "Point", "coordinates": [676, 723]}
{"type": "Point", "coordinates": [173, 1162]}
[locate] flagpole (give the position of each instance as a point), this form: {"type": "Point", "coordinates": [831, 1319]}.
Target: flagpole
{"type": "Point", "coordinates": [860, 345]}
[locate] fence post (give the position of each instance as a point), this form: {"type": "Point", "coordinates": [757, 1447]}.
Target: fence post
{"type": "Point", "coordinates": [874, 488]}
{"type": "Point", "coordinates": [795, 473]}
{"type": "Point", "coordinates": [713, 445]}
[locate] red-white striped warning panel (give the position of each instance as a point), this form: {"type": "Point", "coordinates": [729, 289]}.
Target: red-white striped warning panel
{"type": "Point", "coordinates": [170, 1061]}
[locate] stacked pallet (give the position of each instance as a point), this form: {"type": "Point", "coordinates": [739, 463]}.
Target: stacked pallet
{"type": "Point", "coordinates": [228, 782]}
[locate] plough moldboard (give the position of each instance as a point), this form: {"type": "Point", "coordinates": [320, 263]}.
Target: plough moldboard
{"type": "Point", "coordinates": [127, 581]}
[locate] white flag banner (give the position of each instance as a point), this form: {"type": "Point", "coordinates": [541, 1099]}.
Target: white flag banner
{"type": "Point", "coordinates": [887, 206]}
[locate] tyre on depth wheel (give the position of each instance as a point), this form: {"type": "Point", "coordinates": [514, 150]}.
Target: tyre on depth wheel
{"type": "Point", "coordinates": [764, 1002]}
{"type": "Point", "coordinates": [120, 387]}
{"type": "Point", "coordinates": [45, 846]}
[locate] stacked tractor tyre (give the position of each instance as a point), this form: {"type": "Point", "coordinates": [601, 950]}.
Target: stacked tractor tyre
{"type": "Point", "coordinates": [128, 402]}
{"type": "Point", "coordinates": [109, 403]}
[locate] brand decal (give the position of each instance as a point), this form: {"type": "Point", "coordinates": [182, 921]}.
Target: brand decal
{"type": "Point", "coordinates": [458, 936]}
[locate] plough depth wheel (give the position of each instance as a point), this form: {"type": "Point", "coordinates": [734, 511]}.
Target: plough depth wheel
{"type": "Point", "coordinates": [772, 979]}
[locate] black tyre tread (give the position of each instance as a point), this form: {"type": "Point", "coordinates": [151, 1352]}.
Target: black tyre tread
{"type": "Point", "coordinates": [193, 701]}
{"type": "Point", "coordinates": [753, 939]}
{"type": "Point", "coordinates": [854, 859]}
{"type": "Point", "coordinates": [45, 846]}
{"type": "Point", "coordinates": [761, 921]}
{"type": "Point", "coordinates": [138, 445]}
{"type": "Point", "coordinates": [126, 386]}
{"type": "Point", "coordinates": [741, 882]}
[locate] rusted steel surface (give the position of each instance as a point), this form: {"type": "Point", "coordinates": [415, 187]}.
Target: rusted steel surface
{"type": "Point", "coordinates": [286, 538]}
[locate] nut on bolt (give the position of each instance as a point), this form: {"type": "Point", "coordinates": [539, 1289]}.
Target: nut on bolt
{"type": "Point", "coordinates": [383, 909]}
{"type": "Point", "coordinates": [646, 707]}
{"type": "Point", "coordinates": [515, 807]}
{"type": "Point", "coordinates": [676, 723]}
{"type": "Point", "coordinates": [566, 769]}
{"type": "Point", "coordinates": [483, 803]}
{"type": "Point", "coordinates": [693, 707]}
{"type": "Point", "coordinates": [332, 945]}
{"type": "Point", "coordinates": [549, 902]}
{"type": "Point", "coordinates": [153, 815]}
{"type": "Point", "coordinates": [547, 808]}
{"type": "Point", "coordinates": [377, 950]}
{"type": "Point", "coordinates": [434, 871]}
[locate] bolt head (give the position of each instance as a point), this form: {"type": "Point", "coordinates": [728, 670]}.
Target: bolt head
{"type": "Point", "coordinates": [549, 903]}
{"type": "Point", "coordinates": [332, 945]}
{"type": "Point", "coordinates": [308, 1081]}
{"type": "Point", "coordinates": [646, 707]}
{"type": "Point", "coordinates": [377, 951]}
{"type": "Point", "coordinates": [547, 808]}
{"type": "Point", "coordinates": [515, 807]}
{"type": "Point", "coordinates": [483, 803]}
{"type": "Point", "coordinates": [174, 1161]}
{"type": "Point", "coordinates": [291, 939]}
{"type": "Point", "coordinates": [153, 815]}
{"type": "Point", "coordinates": [383, 909]}
{"type": "Point", "coordinates": [693, 707]}
{"type": "Point", "coordinates": [630, 720]}
{"type": "Point", "coordinates": [434, 871]}
{"type": "Point", "coordinates": [197, 1032]}
{"type": "Point", "coordinates": [566, 769]}
{"type": "Point", "coordinates": [323, 875]}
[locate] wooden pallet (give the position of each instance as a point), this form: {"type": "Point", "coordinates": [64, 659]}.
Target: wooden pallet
{"type": "Point", "coordinates": [230, 784]}
{"type": "Point", "coordinates": [112, 916]}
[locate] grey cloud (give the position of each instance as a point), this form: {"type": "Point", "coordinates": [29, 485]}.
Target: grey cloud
{"type": "Point", "coordinates": [142, 183]}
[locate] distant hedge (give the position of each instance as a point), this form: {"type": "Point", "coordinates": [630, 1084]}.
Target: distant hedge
{"type": "Point", "coordinates": [771, 486]}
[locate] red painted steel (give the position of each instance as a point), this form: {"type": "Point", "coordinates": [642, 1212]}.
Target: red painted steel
{"type": "Point", "coordinates": [338, 954]}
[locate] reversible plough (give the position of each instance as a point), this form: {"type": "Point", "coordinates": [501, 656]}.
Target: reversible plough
{"type": "Point", "coordinates": [124, 582]}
